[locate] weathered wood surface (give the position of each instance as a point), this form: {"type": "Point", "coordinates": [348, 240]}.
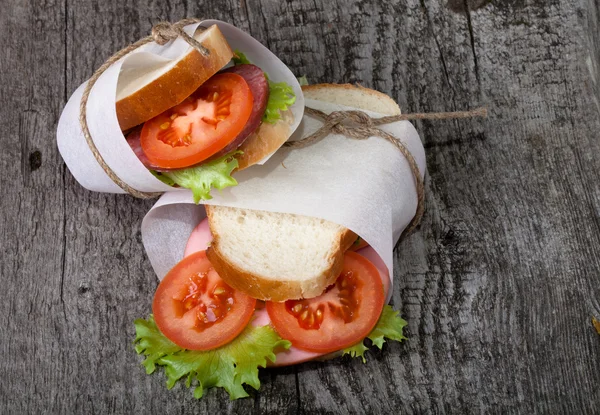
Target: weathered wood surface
{"type": "Point", "coordinates": [498, 286]}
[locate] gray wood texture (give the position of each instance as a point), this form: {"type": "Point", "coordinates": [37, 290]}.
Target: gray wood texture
{"type": "Point", "coordinates": [498, 285]}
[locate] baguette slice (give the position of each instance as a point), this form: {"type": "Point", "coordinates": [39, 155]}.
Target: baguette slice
{"type": "Point", "coordinates": [281, 256]}
{"type": "Point", "coordinates": [143, 93]}
{"type": "Point", "coordinates": [276, 256]}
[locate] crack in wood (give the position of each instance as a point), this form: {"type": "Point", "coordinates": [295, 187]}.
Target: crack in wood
{"type": "Point", "coordinates": [472, 38]}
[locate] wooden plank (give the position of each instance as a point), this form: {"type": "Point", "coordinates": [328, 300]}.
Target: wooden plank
{"type": "Point", "coordinates": [498, 285]}
{"type": "Point", "coordinates": [501, 292]}
{"type": "Point", "coordinates": [32, 205]}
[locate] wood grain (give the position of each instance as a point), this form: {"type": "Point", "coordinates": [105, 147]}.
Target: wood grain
{"type": "Point", "coordinates": [498, 286]}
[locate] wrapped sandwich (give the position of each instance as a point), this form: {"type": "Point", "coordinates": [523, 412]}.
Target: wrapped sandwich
{"type": "Point", "coordinates": [175, 116]}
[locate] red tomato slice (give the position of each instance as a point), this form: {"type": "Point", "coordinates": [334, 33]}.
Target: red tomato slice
{"type": "Point", "coordinates": [340, 317]}
{"type": "Point", "coordinates": [200, 126]}
{"type": "Point", "coordinates": [196, 310]}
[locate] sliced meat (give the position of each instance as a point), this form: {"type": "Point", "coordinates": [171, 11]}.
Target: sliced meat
{"type": "Point", "coordinates": [256, 80]}
{"type": "Point", "coordinates": [133, 139]}
{"type": "Point", "coordinates": [200, 238]}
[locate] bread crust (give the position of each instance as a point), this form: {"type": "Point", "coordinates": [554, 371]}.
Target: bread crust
{"type": "Point", "coordinates": [177, 84]}
{"type": "Point", "coordinates": [265, 140]}
{"type": "Point", "coordinates": [272, 290]}
{"type": "Point", "coordinates": [308, 90]}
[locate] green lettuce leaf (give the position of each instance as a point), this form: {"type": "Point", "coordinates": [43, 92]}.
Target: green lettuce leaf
{"type": "Point", "coordinates": [230, 366]}
{"type": "Point", "coordinates": [358, 350]}
{"type": "Point", "coordinates": [388, 327]}
{"type": "Point", "coordinates": [201, 179]}
{"type": "Point", "coordinates": [150, 341]}
{"type": "Point", "coordinates": [281, 95]}
{"type": "Point", "coordinates": [239, 58]}
{"type": "Point", "coordinates": [162, 178]}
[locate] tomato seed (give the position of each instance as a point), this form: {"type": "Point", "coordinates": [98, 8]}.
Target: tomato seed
{"type": "Point", "coordinates": [304, 315]}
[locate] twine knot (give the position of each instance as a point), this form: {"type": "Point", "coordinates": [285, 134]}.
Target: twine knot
{"type": "Point", "coordinates": [360, 126]}
{"type": "Point", "coordinates": [164, 32]}
{"type": "Point", "coordinates": [342, 122]}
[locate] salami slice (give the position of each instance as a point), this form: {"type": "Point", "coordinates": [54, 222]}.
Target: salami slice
{"type": "Point", "coordinates": [133, 139]}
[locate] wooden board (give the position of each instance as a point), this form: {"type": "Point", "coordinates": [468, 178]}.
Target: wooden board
{"type": "Point", "coordinates": [499, 284]}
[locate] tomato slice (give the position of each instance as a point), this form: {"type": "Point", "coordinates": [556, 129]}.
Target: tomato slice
{"type": "Point", "coordinates": [200, 126]}
{"type": "Point", "coordinates": [342, 316]}
{"type": "Point", "coordinates": [195, 309]}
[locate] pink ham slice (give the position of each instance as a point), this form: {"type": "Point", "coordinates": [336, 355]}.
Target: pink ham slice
{"type": "Point", "coordinates": [256, 80]}
{"type": "Point", "coordinates": [200, 240]}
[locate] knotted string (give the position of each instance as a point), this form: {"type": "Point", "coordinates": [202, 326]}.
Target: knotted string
{"type": "Point", "coordinates": [360, 126]}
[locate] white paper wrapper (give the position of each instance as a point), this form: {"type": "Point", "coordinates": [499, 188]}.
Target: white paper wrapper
{"type": "Point", "coordinates": [102, 116]}
{"type": "Point", "coordinates": [364, 185]}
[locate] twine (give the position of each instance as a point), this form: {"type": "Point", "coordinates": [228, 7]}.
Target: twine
{"type": "Point", "coordinates": [360, 126]}
{"type": "Point", "coordinates": [162, 33]}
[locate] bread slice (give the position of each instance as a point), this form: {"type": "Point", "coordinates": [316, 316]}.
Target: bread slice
{"type": "Point", "coordinates": [143, 93]}
{"type": "Point", "coordinates": [276, 256]}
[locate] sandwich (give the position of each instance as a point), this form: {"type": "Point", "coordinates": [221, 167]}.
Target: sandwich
{"type": "Point", "coordinates": [194, 122]}
{"type": "Point", "coordinates": [258, 289]}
